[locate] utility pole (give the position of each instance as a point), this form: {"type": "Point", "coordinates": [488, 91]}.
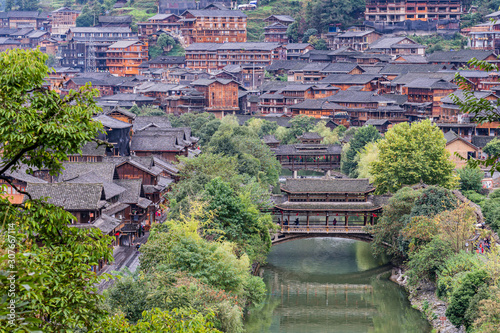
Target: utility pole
{"type": "Point", "coordinates": [90, 63]}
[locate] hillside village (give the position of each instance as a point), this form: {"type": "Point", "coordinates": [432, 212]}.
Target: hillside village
{"type": "Point", "coordinates": [369, 74]}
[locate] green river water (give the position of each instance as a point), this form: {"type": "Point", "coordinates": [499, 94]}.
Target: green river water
{"type": "Point", "coordinates": [331, 285]}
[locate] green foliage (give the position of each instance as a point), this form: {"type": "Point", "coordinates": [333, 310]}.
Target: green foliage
{"type": "Point", "coordinates": [53, 261]}
{"type": "Point", "coordinates": [237, 219]}
{"type": "Point", "coordinates": [428, 260]}
{"type": "Point", "coordinates": [365, 158]}
{"type": "Point", "coordinates": [203, 125]}
{"type": "Point", "coordinates": [292, 32]}
{"type": "Point", "coordinates": [129, 297]}
{"type": "Point", "coordinates": [472, 312]}
{"type": "Point", "coordinates": [308, 34]}
{"type": "Point", "coordinates": [157, 49]}
{"type": "Point", "coordinates": [491, 211]}
{"type": "Point", "coordinates": [410, 154]}
{"type": "Point", "coordinates": [156, 320]}
{"type": "Point", "coordinates": [147, 110]}
{"type": "Point", "coordinates": [474, 197]}
{"type": "Point", "coordinates": [363, 135]}
{"type": "Point", "coordinates": [388, 228]}
{"type": "Point", "coordinates": [29, 130]}
{"type": "Point", "coordinates": [470, 179]}
{"type": "Point", "coordinates": [433, 200]}
{"type": "Point", "coordinates": [460, 298]}
{"type": "Point", "coordinates": [437, 42]}
{"type": "Point", "coordinates": [195, 173]}
{"type": "Point", "coordinates": [320, 14]}
{"type": "Point", "coordinates": [298, 126]}
{"type": "Point", "coordinates": [453, 270]}
{"type": "Point", "coordinates": [492, 148]}
{"type": "Point", "coordinates": [255, 159]}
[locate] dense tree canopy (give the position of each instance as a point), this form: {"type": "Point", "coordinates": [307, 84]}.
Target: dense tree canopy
{"type": "Point", "coordinates": [349, 161]}
{"type": "Point", "coordinates": [410, 154]}
{"type": "Point", "coordinates": [55, 285]}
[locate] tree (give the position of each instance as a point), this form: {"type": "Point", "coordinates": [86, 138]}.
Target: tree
{"type": "Point", "coordinates": [492, 148]}
{"type": "Point", "coordinates": [365, 158]}
{"type": "Point", "coordinates": [349, 163]}
{"type": "Point", "coordinates": [86, 18]}
{"type": "Point", "coordinates": [388, 229]}
{"type": "Point", "coordinates": [461, 298]}
{"type": "Point", "coordinates": [308, 34]}
{"type": "Point", "coordinates": [52, 61]}
{"type": "Point", "coordinates": [425, 263]}
{"type": "Point", "coordinates": [470, 179]}
{"type": "Point", "coordinates": [292, 32]}
{"type": "Point", "coordinates": [38, 129]}
{"type": "Point", "coordinates": [156, 320]}
{"type": "Point", "coordinates": [410, 154]}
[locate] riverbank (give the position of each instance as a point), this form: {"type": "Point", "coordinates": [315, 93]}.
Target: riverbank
{"type": "Point", "coordinates": [423, 297]}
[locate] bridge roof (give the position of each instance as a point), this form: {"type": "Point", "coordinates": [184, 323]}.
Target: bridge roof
{"type": "Point", "coordinates": [329, 206]}
{"type": "Point", "coordinates": [327, 185]}
{"type": "Point", "coordinates": [308, 149]}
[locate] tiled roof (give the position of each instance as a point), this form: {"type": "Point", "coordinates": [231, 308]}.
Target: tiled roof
{"type": "Point", "coordinates": [72, 170]}
{"type": "Point", "coordinates": [427, 83]}
{"type": "Point", "coordinates": [270, 139]}
{"type": "Point", "coordinates": [214, 13]}
{"type": "Point", "coordinates": [481, 140]}
{"type": "Point", "coordinates": [160, 17]}
{"type": "Point", "coordinates": [396, 69]}
{"type": "Point", "coordinates": [389, 42]}
{"type": "Point", "coordinates": [340, 67]}
{"type": "Point", "coordinates": [21, 175]}
{"type": "Point", "coordinates": [310, 135]}
{"type": "Point", "coordinates": [329, 206]}
{"type": "Point", "coordinates": [297, 46]}
{"type": "Point", "coordinates": [158, 121]}
{"type": "Point", "coordinates": [349, 78]}
{"type": "Point", "coordinates": [122, 44]}
{"type": "Point", "coordinates": [285, 18]}
{"type": "Point", "coordinates": [346, 96]}
{"type": "Point", "coordinates": [70, 196]}
{"type": "Point", "coordinates": [133, 190]}
{"type": "Point", "coordinates": [377, 122]}
{"type": "Point", "coordinates": [106, 223]}
{"type": "Point", "coordinates": [122, 111]}
{"type": "Point", "coordinates": [323, 185]}
{"type": "Point", "coordinates": [101, 29]}
{"type": "Point", "coordinates": [112, 122]}
{"type": "Point", "coordinates": [458, 56]}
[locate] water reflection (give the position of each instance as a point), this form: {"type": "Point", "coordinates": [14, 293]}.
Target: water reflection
{"type": "Point", "coordinates": [331, 285]}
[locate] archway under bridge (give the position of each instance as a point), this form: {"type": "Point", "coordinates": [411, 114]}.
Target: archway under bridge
{"type": "Point", "coordinates": [295, 233]}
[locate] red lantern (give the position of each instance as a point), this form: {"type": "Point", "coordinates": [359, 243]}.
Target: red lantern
{"type": "Point", "coordinates": [297, 214]}
{"type": "Point", "coordinates": [374, 215]}
{"type": "Point", "coordinates": [117, 233]}
{"type": "Point", "coordinates": [337, 214]}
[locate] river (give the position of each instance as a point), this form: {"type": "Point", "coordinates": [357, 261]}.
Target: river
{"type": "Point", "coordinates": [331, 285]}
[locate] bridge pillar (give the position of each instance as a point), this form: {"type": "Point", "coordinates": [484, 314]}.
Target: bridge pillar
{"type": "Point", "coordinates": [294, 173]}
{"type": "Point", "coordinates": [328, 174]}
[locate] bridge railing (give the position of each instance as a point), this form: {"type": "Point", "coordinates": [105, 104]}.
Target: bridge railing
{"type": "Point", "coordinates": [323, 229]}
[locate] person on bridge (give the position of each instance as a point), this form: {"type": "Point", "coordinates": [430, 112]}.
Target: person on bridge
{"type": "Point", "coordinates": [297, 221]}
{"type": "Point", "coordinates": [334, 222]}
{"type": "Point", "coordinates": [285, 222]}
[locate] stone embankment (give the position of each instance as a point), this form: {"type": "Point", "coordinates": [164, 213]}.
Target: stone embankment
{"type": "Point", "coordinates": [423, 297]}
